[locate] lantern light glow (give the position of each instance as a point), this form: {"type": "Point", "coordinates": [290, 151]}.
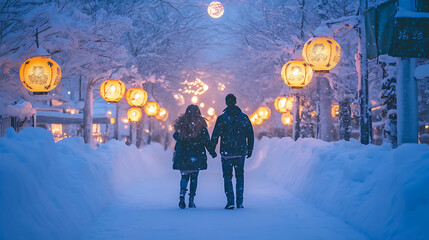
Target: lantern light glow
{"type": "Point", "coordinates": [286, 118]}
{"type": "Point", "coordinates": [162, 114]}
{"type": "Point", "coordinates": [283, 104]}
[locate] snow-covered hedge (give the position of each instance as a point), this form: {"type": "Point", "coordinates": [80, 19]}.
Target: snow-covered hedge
{"type": "Point", "coordinates": [382, 192]}
{"type": "Point", "coordinates": [53, 190]}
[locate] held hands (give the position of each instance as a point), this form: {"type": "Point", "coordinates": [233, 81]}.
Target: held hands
{"type": "Point", "coordinates": [213, 154]}
{"type": "Point", "coordinates": [249, 154]}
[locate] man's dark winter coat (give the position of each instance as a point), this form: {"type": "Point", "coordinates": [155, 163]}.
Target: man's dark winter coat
{"type": "Point", "coordinates": [236, 132]}
{"type": "Point", "coordinates": [190, 154]}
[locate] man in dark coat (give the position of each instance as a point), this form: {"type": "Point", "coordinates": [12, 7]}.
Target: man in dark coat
{"type": "Point", "coordinates": [236, 142]}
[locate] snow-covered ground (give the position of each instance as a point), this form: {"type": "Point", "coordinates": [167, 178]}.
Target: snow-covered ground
{"type": "Point", "coordinates": [307, 189]}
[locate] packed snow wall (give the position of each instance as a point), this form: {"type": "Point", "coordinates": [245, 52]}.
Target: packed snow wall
{"type": "Point", "coordinates": [380, 191]}
{"type": "Point", "coordinates": [54, 190]}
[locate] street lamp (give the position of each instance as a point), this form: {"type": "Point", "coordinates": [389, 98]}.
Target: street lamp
{"type": "Point", "coordinates": [296, 74]}
{"type": "Point", "coordinates": [40, 74]}
{"type": "Point", "coordinates": [136, 97]}
{"type": "Point", "coordinates": [112, 90]}
{"type": "Point", "coordinates": [134, 114]}
{"type": "Point", "coordinates": [322, 53]}
{"type": "Point", "coordinates": [215, 9]}
{"type": "Point", "coordinates": [263, 112]}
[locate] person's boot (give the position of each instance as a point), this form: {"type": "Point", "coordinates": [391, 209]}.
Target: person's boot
{"type": "Point", "coordinates": [191, 202]}
{"type": "Point", "coordinates": [182, 203]}
{"type": "Point", "coordinates": [229, 206]}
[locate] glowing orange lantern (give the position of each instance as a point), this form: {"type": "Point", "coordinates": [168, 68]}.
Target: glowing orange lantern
{"type": "Point", "coordinates": [287, 118]}
{"type": "Point", "coordinates": [151, 109]}
{"type": "Point", "coordinates": [255, 119]}
{"type": "Point", "coordinates": [335, 111]}
{"type": "Point", "coordinates": [283, 104]}
{"type": "Point", "coordinates": [134, 114]}
{"type": "Point", "coordinates": [136, 97]}
{"type": "Point", "coordinates": [40, 74]}
{"type": "Point", "coordinates": [112, 90]}
{"type": "Point", "coordinates": [297, 74]}
{"type": "Point", "coordinates": [215, 9]}
{"type": "Point", "coordinates": [162, 114]}
{"type": "Point", "coordinates": [263, 112]}
{"type": "Point", "coordinates": [322, 53]}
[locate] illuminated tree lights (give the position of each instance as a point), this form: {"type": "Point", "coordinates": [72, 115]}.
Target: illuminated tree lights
{"type": "Point", "coordinates": [197, 87]}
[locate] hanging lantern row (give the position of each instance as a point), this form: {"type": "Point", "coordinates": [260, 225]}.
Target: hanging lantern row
{"type": "Point", "coordinates": [40, 74]}
{"type": "Point", "coordinates": [320, 53]}
{"type": "Point", "coordinates": [255, 119]}
{"type": "Point", "coordinates": [283, 104]}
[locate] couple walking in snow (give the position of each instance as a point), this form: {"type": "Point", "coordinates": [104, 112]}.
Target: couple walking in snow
{"type": "Point", "coordinates": [192, 139]}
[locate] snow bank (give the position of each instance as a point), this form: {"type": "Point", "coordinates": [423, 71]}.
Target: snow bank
{"type": "Point", "coordinates": [382, 192]}
{"type": "Point", "coordinates": [53, 190]}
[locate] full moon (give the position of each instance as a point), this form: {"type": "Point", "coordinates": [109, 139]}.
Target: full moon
{"type": "Point", "coordinates": [215, 9]}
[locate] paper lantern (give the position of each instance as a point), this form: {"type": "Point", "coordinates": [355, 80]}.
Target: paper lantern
{"type": "Point", "coordinates": [321, 53]}
{"type": "Point", "coordinates": [263, 112]}
{"type": "Point", "coordinates": [335, 111]}
{"type": "Point", "coordinates": [215, 9]}
{"type": "Point", "coordinates": [211, 112]}
{"type": "Point", "coordinates": [134, 114]}
{"type": "Point", "coordinates": [112, 90]}
{"type": "Point", "coordinates": [286, 118]}
{"type": "Point", "coordinates": [255, 119]}
{"type": "Point", "coordinates": [136, 97]}
{"type": "Point", "coordinates": [151, 109]}
{"type": "Point", "coordinates": [40, 74]}
{"type": "Point", "coordinates": [297, 74]}
{"type": "Point", "coordinates": [162, 114]}
{"type": "Point", "coordinates": [283, 104]}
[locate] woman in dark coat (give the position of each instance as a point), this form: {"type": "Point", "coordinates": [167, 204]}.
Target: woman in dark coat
{"type": "Point", "coordinates": [190, 151]}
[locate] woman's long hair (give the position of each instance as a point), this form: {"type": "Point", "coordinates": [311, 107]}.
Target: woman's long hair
{"type": "Point", "coordinates": [191, 123]}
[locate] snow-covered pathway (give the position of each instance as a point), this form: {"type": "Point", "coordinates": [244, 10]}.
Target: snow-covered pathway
{"type": "Point", "coordinates": [148, 210]}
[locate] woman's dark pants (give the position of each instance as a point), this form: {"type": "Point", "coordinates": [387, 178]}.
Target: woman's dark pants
{"type": "Point", "coordinates": [184, 183]}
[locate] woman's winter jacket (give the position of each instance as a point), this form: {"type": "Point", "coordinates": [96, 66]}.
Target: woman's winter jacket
{"type": "Point", "coordinates": [190, 153]}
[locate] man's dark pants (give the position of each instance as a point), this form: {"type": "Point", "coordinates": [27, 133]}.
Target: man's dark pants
{"type": "Point", "coordinates": [227, 167]}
